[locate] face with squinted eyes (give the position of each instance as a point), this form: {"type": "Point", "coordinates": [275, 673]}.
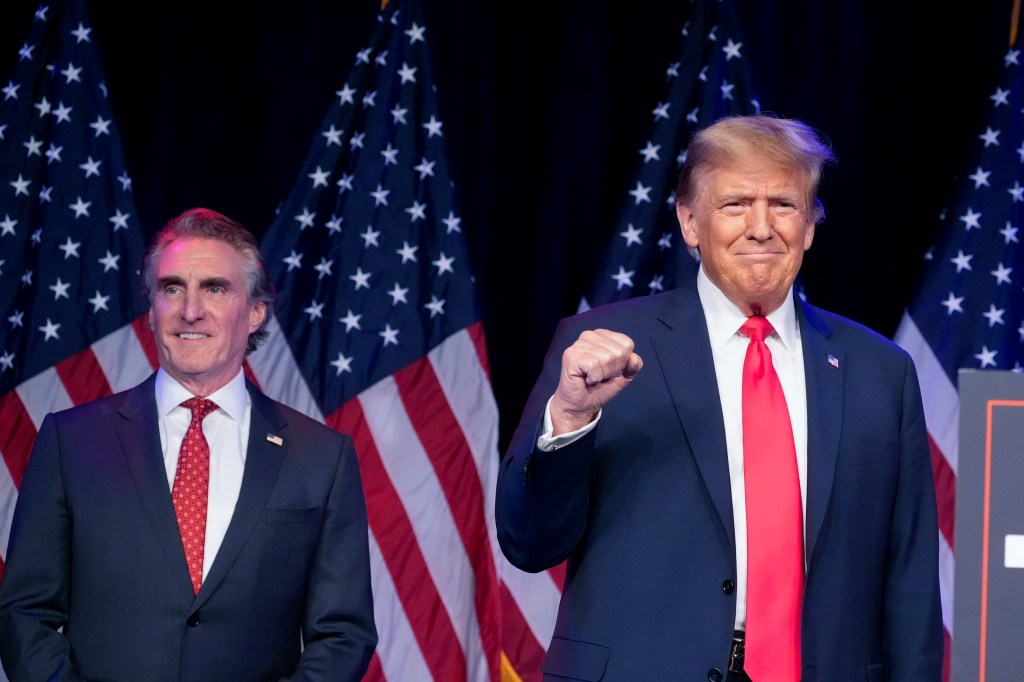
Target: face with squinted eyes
{"type": "Point", "coordinates": [200, 313]}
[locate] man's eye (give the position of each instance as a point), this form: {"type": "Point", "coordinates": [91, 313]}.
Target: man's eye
{"type": "Point", "coordinates": [171, 290]}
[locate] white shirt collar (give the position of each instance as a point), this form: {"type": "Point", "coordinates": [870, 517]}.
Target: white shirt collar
{"type": "Point", "coordinates": [232, 397]}
{"type": "Point", "coordinates": [724, 318]}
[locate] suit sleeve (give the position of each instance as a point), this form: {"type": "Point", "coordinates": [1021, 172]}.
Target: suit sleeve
{"type": "Point", "coordinates": [338, 630]}
{"type": "Point", "coordinates": [35, 586]}
{"type": "Point", "coordinates": [913, 613]}
{"type": "Point", "coordinates": [542, 497]}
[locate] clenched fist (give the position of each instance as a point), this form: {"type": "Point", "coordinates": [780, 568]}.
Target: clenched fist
{"type": "Point", "coordinates": [595, 368]}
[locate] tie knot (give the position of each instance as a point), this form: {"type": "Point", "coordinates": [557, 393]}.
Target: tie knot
{"type": "Point", "coordinates": [757, 328]}
{"type": "Point", "coordinates": [200, 407]}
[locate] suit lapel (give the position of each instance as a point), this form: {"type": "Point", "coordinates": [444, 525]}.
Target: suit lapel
{"type": "Point", "coordinates": [693, 385]}
{"type": "Point", "coordinates": [139, 437]}
{"type": "Point", "coordinates": [824, 366]}
{"type": "Point", "coordinates": [262, 463]}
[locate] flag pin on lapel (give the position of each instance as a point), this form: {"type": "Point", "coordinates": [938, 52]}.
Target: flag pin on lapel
{"type": "Point", "coordinates": [832, 360]}
{"type": "Point", "coordinates": [277, 440]}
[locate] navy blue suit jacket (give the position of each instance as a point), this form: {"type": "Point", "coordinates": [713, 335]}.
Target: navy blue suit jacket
{"type": "Point", "coordinates": [641, 508]}
{"type": "Point", "coordinates": [95, 550]}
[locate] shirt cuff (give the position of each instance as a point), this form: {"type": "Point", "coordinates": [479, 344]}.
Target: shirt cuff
{"type": "Point", "coordinates": [547, 442]}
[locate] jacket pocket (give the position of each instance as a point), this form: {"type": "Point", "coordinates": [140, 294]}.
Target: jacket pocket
{"type": "Point", "coordinates": [576, 660]}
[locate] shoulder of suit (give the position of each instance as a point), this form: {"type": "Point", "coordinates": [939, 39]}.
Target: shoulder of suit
{"type": "Point", "coordinates": [847, 331]}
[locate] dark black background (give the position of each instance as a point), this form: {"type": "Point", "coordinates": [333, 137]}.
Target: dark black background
{"type": "Point", "coordinates": [545, 106]}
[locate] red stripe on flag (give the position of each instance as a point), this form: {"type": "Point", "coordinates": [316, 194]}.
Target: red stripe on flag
{"type": "Point", "coordinates": [557, 574]}
{"type": "Point", "coordinates": [445, 444]}
{"type": "Point", "coordinates": [476, 333]}
{"type": "Point", "coordinates": [249, 374]}
{"type": "Point", "coordinates": [83, 378]}
{"type": "Point", "coordinates": [374, 672]}
{"type": "Point", "coordinates": [523, 650]}
{"type": "Point", "coordinates": [945, 491]}
{"type": "Point", "coordinates": [423, 607]}
{"type": "Point", "coordinates": [145, 334]}
{"type": "Point", "coordinates": [17, 434]}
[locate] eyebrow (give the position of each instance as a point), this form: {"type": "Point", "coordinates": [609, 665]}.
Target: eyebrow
{"type": "Point", "coordinates": [222, 282]}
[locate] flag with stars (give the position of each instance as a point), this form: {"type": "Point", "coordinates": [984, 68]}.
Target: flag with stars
{"type": "Point", "coordinates": [70, 242]}
{"type": "Point", "coordinates": [378, 335]}
{"type": "Point", "coordinates": [968, 311]}
{"type": "Point", "coordinates": [710, 79]}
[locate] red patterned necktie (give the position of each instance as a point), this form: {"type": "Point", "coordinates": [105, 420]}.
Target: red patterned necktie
{"type": "Point", "coordinates": [191, 487]}
{"type": "Point", "coordinates": [775, 554]}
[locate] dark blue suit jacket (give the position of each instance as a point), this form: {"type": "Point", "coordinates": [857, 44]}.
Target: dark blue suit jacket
{"type": "Point", "coordinates": [95, 549]}
{"type": "Point", "coordinates": [641, 508]}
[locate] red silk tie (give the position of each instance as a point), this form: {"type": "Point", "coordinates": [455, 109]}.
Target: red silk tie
{"type": "Point", "coordinates": [775, 555]}
{"type": "Point", "coordinates": [191, 488]}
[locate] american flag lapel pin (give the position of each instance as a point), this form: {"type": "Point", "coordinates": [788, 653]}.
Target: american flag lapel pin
{"type": "Point", "coordinates": [276, 440]}
{"type": "Point", "coordinates": [833, 360]}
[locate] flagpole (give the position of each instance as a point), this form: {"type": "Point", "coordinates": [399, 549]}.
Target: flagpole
{"type": "Point", "coordinates": [1014, 21]}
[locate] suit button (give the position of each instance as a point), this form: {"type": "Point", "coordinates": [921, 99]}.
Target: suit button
{"type": "Point", "coordinates": [192, 621]}
{"type": "Point", "coordinates": [715, 675]}
{"type": "Point", "coordinates": [728, 586]}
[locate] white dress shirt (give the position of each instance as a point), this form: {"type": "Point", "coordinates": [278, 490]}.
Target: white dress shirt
{"type": "Point", "coordinates": [728, 349]}
{"type": "Point", "coordinates": [227, 433]}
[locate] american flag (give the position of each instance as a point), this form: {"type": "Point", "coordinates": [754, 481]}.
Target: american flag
{"type": "Point", "coordinates": [379, 336]}
{"type": "Point", "coordinates": [70, 242]}
{"type": "Point", "coordinates": [710, 79]}
{"type": "Point", "coordinates": [968, 311]}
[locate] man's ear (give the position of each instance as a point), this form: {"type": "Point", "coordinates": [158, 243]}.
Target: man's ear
{"type": "Point", "coordinates": [688, 225]}
{"type": "Point", "coordinates": [257, 314]}
{"type": "Point", "coordinates": [808, 236]}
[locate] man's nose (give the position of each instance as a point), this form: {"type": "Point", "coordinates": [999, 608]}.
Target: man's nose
{"type": "Point", "coordinates": [760, 225]}
{"type": "Point", "coordinates": [192, 309]}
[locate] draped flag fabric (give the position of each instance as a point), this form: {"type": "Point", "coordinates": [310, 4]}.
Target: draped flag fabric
{"type": "Point", "coordinates": [710, 79]}
{"type": "Point", "coordinates": [70, 243]}
{"type": "Point", "coordinates": [968, 311]}
{"type": "Point", "coordinates": [378, 334]}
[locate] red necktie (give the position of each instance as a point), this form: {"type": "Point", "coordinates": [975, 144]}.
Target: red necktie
{"type": "Point", "coordinates": [191, 487]}
{"type": "Point", "coordinates": [775, 555]}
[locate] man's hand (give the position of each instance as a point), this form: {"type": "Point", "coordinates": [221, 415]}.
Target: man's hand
{"type": "Point", "coordinates": [594, 369]}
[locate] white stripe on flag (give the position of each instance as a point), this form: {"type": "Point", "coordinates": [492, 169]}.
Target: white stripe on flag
{"type": "Point", "coordinates": [8, 498]}
{"type": "Point", "coordinates": [122, 359]}
{"type": "Point", "coordinates": [941, 413]}
{"type": "Point", "coordinates": [941, 402]}
{"type": "Point", "coordinates": [279, 376]}
{"type": "Point", "coordinates": [946, 565]}
{"type": "Point", "coordinates": [468, 392]}
{"type": "Point", "coordinates": [411, 473]}
{"type": "Point", "coordinates": [42, 394]}
{"type": "Point", "coordinates": [536, 595]}
{"type": "Point", "coordinates": [400, 658]}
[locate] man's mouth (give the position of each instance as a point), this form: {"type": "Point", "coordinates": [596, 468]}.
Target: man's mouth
{"type": "Point", "coordinates": [188, 336]}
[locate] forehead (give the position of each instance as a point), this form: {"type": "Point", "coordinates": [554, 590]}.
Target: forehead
{"type": "Point", "coordinates": [207, 257]}
{"type": "Point", "coordinates": [758, 172]}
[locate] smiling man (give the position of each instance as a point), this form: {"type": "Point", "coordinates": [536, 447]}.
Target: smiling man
{"type": "Point", "coordinates": [740, 482]}
{"type": "Point", "coordinates": [190, 528]}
